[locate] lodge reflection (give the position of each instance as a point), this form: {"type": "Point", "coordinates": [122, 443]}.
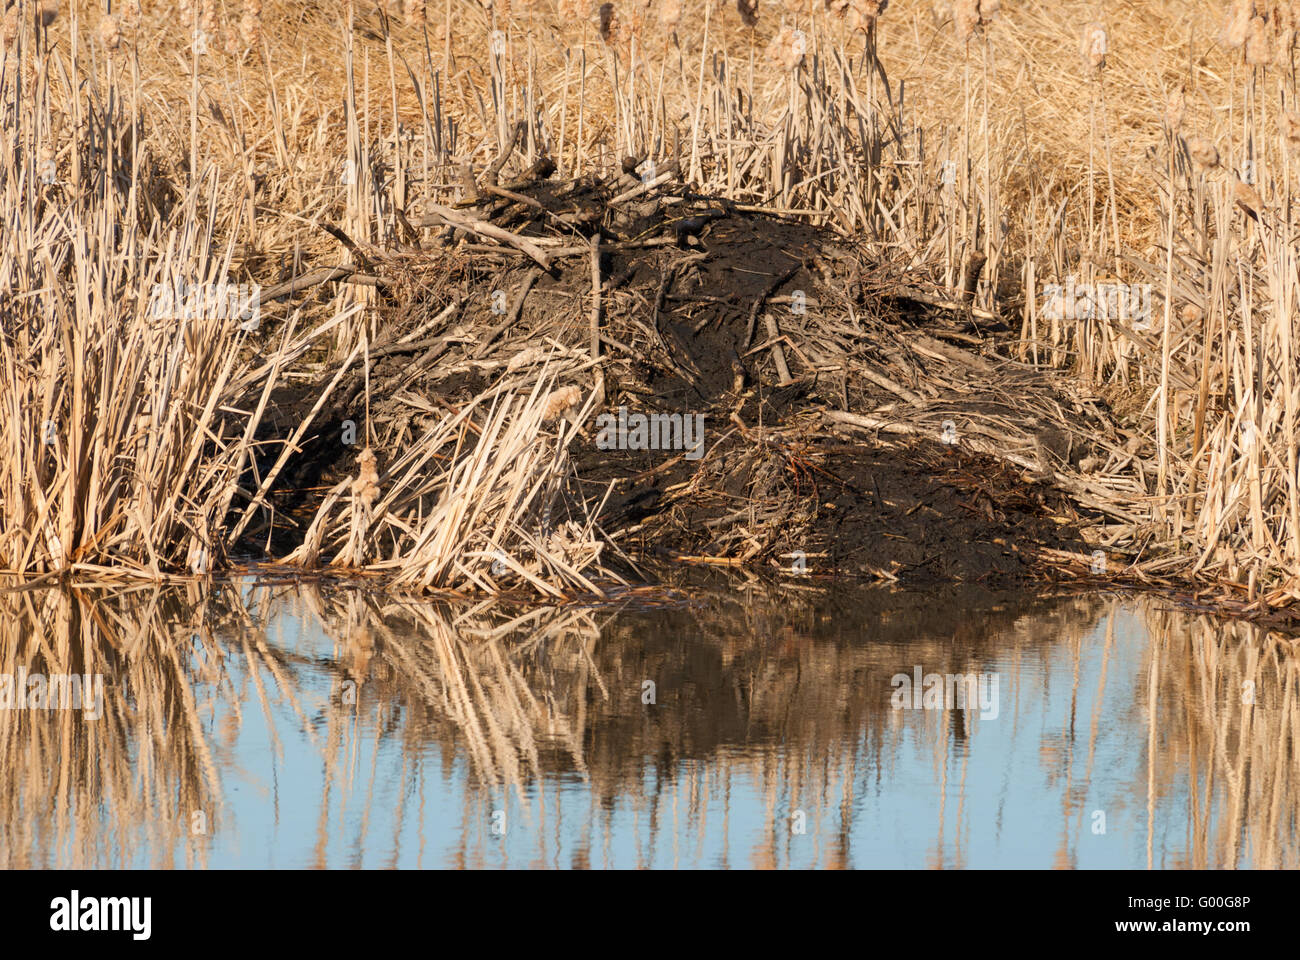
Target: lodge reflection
{"type": "Point", "coordinates": [739, 728]}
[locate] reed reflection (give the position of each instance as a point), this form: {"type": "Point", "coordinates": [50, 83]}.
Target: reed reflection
{"type": "Point", "coordinates": [267, 724]}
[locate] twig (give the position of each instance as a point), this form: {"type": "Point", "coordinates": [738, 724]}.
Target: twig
{"type": "Point", "coordinates": [353, 247]}
{"type": "Point", "coordinates": [490, 175]}
{"type": "Point", "coordinates": [939, 303]}
{"type": "Point", "coordinates": [312, 279]}
{"type": "Point", "coordinates": [595, 297]}
{"type": "Point", "coordinates": [778, 355]}
{"type": "Point", "coordinates": [484, 229]}
{"type": "Point", "coordinates": [971, 281]}
{"type": "Point", "coordinates": [644, 188]}
{"type": "Point", "coordinates": [772, 287]}
{"type": "Point", "coordinates": [505, 194]}
{"type": "Point", "coordinates": [413, 347]}
{"type": "Point", "coordinates": [516, 308]}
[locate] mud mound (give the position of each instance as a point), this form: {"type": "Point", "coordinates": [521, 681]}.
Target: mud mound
{"type": "Point", "coordinates": [765, 393]}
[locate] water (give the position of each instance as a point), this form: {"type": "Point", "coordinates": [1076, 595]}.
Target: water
{"type": "Point", "coordinates": [261, 725]}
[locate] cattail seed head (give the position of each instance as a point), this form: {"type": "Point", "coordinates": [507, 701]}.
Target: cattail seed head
{"type": "Point", "coordinates": [1259, 45]}
{"type": "Point", "coordinates": [1290, 124]}
{"type": "Point", "coordinates": [250, 29]}
{"type": "Point", "coordinates": [623, 32]}
{"type": "Point", "coordinates": [608, 22]}
{"type": "Point", "coordinates": [562, 401]}
{"type": "Point", "coordinates": [1237, 30]}
{"type": "Point", "coordinates": [863, 14]}
{"type": "Point", "coordinates": [46, 167]}
{"type": "Point", "coordinates": [365, 487]}
{"type": "Point", "coordinates": [110, 32]}
{"type": "Point", "coordinates": [972, 15]}
{"type": "Point", "coordinates": [966, 18]}
{"type": "Point", "coordinates": [1203, 153]}
{"type": "Point", "coordinates": [1247, 195]}
{"type": "Point", "coordinates": [1283, 44]}
{"type": "Point", "coordinates": [9, 28]}
{"type": "Point", "coordinates": [634, 26]}
{"type": "Point", "coordinates": [670, 14]}
{"type": "Point", "coordinates": [1282, 21]}
{"type": "Point", "coordinates": [208, 17]}
{"type": "Point", "coordinates": [1094, 46]}
{"type": "Point", "coordinates": [130, 14]}
{"type": "Point", "coordinates": [1176, 109]}
{"type": "Point", "coordinates": [787, 48]}
{"type": "Point", "coordinates": [748, 10]}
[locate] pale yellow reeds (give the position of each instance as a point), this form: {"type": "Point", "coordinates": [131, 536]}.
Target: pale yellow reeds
{"type": "Point", "coordinates": [1025, 166]}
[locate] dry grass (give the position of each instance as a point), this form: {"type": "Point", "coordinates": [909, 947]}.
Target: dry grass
{"type": "Point", "coordinates": [297, 136]}
{"type": "Point", "coordinates": [471, 503]}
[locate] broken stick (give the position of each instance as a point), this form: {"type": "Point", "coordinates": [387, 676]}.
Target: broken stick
{"type": "Point", "coordinates": [485, 229]}
{"type": "Point", "coordinates": [778, 354]}
{"type": "Point", "coordinates": [512, 315]}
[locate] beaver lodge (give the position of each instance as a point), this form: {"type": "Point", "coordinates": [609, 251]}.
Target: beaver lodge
{"type": "Point", "coordinates": [699, 382]}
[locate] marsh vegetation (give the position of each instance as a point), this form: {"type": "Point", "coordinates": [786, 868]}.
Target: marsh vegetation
{"type": "Point", "coordinates": [426, 189]}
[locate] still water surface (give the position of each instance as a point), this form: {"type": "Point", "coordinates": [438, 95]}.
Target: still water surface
{"type": "Point", "coordinates": [260, 725]}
